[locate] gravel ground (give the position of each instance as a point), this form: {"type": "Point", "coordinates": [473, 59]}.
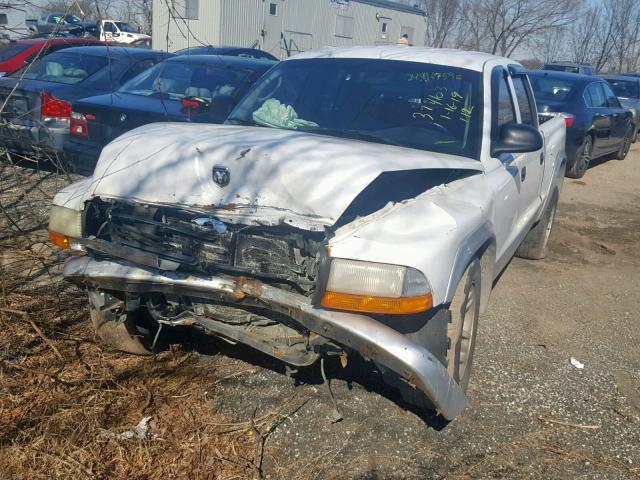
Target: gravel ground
{"type": "Point", "coordinates": [531, 413]}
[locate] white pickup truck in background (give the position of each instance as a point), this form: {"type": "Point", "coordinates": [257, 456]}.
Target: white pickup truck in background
{"type": "Point", "coordinates": [359, 201]}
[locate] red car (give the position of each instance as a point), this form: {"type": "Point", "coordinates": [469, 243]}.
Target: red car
{"type": "Point", "coordinates": [15, 55]}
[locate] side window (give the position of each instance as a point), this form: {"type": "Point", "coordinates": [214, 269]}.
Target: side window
{"type": "Point", "coordinates": [612, 100]}
{"type": "Point", "coordinates": [503, 105]}
{"type": "Point", "coordinates": [137, 69]}
{"type": "Point", "coordinates": [524, 100]}
{"type": "Point", "coordinates": [594, 96]}
{"type": "Point", "coordinates": [108, 27]}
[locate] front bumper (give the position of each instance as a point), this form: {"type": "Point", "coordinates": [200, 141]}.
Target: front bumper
{"type": "Point", "coordinates": [373, 340]}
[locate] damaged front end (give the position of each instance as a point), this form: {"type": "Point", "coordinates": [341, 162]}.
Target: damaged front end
{"type": "Point", "coordinates": [259, 285]}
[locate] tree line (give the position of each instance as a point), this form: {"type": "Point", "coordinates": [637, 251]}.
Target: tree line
{"type": "Point", "coordinates": [604, 34]}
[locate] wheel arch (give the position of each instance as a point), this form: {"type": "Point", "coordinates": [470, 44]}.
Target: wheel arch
{"type": "Point", "coordinates": [479, 244]}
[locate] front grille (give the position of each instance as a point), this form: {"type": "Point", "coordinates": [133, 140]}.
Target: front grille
{"type": "Point", "coordinates": [275, 254]}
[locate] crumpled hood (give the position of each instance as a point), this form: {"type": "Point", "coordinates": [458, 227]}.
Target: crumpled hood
{"type": "Point", "coordinates": [305, 174]}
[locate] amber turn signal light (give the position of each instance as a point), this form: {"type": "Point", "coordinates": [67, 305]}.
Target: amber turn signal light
{"type": "Point", "coordinates": [382, 305]}
{"type": "Point", "coordinates": [59, 239]}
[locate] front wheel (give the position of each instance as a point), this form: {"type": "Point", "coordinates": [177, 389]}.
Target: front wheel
{"type": "Point", "coordinates": [462, 329]}
{"type": "Point", "coordinates": [126, 331]}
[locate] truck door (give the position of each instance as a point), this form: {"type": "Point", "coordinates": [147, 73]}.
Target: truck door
{"type": "Point", "coordinates": [108, 29]}
{"type": "Point", "coordinates": [272, 27]}
{"type": "Point", "coordinates": [533, 166]}
{"type": "Point", "coordinates": [522, 168]}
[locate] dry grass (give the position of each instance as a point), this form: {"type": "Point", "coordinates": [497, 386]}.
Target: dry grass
{"type": "Point", "coordinates": [61, 390]}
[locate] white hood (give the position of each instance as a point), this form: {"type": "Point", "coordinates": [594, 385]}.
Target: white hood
{"type": "Point", "coordinates": [304, 174]}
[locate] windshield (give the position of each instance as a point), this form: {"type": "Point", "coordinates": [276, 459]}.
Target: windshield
{"type": "Point", "coordinates": [178, 80]}
{"type": "Point", "coordinates": [548, 89]}
{"type": "Point", "coordinates": [7, 52]}
{"type": "Point", "coordinates": [415, 105]}
{"type": "Point", "coordinates": [126, 27]}
{"type": "Point", "coordinates": [63, 67]}
{"type": "Point", "coordinates": [624, 88]}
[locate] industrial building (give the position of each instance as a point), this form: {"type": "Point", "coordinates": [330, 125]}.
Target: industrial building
{"type": "Point", "coordinates": [284, 27]}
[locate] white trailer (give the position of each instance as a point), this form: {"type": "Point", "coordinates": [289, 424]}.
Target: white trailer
{"type": "Point", "coordinates": [284, 27]}
{"type": "Point", "coordinates": [13, 20]}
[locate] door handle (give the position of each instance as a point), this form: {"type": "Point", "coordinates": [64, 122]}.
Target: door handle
{"type": "Point", "coordinates": [541, 158]}
{"type": "Point", "coordinates": [523, 173]}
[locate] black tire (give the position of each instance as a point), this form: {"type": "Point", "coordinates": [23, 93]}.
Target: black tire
{"type": "Point", "coordinates": [126, 331]}
{"type": "Point", "coordinates": [534, 245]}
{"type": "Point", "coordinates": [583, 157]}
{"type": "Point", "coordinates": [463, 327]}
{"type": "Point", "coordinates": [626, 144]}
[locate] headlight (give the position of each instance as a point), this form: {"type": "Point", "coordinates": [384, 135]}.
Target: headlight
{"type": "Point", "coordinates": [376, 288]}
{"type": "Point", "coordinates": [65, 224]}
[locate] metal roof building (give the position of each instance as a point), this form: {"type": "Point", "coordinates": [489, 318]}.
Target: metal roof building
{"type": "Point", "coordinates": [284, 27]}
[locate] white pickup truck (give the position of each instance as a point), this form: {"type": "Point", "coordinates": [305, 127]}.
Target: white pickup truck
{"type": "Point", "coordinates": [358, 201]}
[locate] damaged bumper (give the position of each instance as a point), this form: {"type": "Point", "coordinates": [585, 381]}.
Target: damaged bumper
{"type": "Point", "coordinates": [375, 341]}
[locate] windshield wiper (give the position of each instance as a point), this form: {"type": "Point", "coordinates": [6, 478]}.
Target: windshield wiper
{"type": "Point", "coordinates": [355, 134]}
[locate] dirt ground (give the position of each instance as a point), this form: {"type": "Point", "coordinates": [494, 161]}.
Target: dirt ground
{"type": "Point", "coordinates": [217, 411]}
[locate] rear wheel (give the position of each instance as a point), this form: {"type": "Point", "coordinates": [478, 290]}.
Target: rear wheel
{"type": "Point", "coordinates": [130, 332]}
{"type": "Point", "coordinates": [626, 144]}
{"type": "Point", "coordinates": [534, 245]}
{"type": "Point", "coordinates": [583, 157]}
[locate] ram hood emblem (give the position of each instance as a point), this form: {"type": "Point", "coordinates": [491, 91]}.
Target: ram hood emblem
{"type": "Point", "coordinates": [221, 175]}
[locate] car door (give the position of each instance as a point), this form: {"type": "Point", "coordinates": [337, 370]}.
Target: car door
{"type": "Point", "coordinates": [619, 118]}
{"type": "Point", "coordinates": [596, 105]}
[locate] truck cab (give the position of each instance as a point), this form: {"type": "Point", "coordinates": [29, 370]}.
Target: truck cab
{"type": "Point", "coordinates": [120, 32]}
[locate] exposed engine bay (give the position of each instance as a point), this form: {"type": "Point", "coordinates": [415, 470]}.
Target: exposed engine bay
{"type": "Point", "coordinates": [193, 242]}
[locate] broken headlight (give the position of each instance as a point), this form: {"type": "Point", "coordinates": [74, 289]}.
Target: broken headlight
{"type": "Point", "coordinates": [65, 224]}
{"type": "Point", "coordinates": [376, 288]}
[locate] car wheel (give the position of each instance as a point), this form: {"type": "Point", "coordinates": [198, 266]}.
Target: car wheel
{"type": "Point", "coordinates": [583, 157]}
{"type": "Point", "coordinates": [463, 326]}
{"type": "Point", "coordinates": [534, 245]}
{"type": "Point", "coordinates": [626, 144]}
{"type": "Point", "coordinates": [129, 332]}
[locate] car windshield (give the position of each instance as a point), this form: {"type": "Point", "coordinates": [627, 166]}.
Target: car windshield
{"type": "Point", "coordinates": [178, 80]}
{"type": "Point", "coordinates": [126, 27]}
{"type": "Point", "coordinates": [409, 104]}
{"type": "Point", "coordinates": [63, 67]}
{"type": "Point", "coordinates": [563, 68]}
{"type": "Point", "coordinates": [624, 88]}
{"type": "Point", "coordinates": [549, 89]}
{"type": "Point", "coordinates": [7, 52]}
